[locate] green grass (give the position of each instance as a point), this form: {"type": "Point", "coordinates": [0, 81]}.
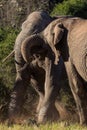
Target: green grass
{"type": "Point", "coordinates": [56, 126]}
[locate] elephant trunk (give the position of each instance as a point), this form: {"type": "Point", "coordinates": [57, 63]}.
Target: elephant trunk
{"type": "Point", "coordinates": [48, 110]}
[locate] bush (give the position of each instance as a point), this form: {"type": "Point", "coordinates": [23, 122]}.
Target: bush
{"type": "Point", "coordinates": [71, 7]}
{"type": "Point", "coordinates": [7, 69]}
{"type": "Point", "coordinates": [7, 40]}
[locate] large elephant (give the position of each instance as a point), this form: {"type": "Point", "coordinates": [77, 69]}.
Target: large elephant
{"type": "Point", "coordinates": [35, 64]}
{"type": "Point", "coordinates": [67, 37]}
{"type": "Point", "coordinates": [64, 37]}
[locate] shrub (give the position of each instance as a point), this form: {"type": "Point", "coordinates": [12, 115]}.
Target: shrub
{"type": "Point", "coordinates": [7, 69]}
{"type": "Point", "coordinates": [7, 39]}
{"type": "Point", "coordinates": [71, 7]}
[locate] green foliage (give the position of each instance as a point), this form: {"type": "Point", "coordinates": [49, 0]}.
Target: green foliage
{"type": "Point", "coordinates": [7, 40]}
{"type": "Point", "coordinates": [7, 69]}
{"type": "Point", "coordinates": [71, 7]}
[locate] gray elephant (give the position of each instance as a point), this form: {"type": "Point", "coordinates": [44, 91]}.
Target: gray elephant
{"type": "Point", "coordinates": [64, 37]}
{"type": "Point", "coordinates": [34, 24]}
{"type": "Point", "coordinates": [67, 37]}
{"type": "Point", "coordinates": [35, 64]}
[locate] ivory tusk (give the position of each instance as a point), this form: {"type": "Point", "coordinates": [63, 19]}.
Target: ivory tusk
{"type": "Point", "coordinates": [9, 56]}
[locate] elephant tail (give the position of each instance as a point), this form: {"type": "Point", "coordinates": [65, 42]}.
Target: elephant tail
{"type": "Point", "coordinates": [9, 56]}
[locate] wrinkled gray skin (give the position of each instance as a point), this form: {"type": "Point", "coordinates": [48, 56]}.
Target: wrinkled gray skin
{"type": "Point", "coordinates": [38, 69]}
{"type": "Point", "coordinates": [38, 53]}
{"type": "Point", "coordinates": [64, 37]}
{"type": "Point", "coordinates": [35, 23]}
{"type": "Point", "coordinates": [68, 37]}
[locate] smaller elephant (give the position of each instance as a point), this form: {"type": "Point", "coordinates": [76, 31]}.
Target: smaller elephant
{"type": "Point", "coordinates": [35, 23]}
{"type": "Point", "coordinates": [67, 37]}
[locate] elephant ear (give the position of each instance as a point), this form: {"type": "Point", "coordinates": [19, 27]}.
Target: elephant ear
{"type": "Point", "coordinates": [58, 33]}
{"type": "Point", "coordinates": [32, 47]}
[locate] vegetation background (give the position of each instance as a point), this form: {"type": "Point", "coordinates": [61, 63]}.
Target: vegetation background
{"type": "Point", "coordinates": [12, 14]}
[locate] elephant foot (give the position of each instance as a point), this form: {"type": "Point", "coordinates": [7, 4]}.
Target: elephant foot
{"type": "Point", "coordinates": [42, 115]}
{"type": "Point", "coordinates": [13, 113]}
{"type": "Point", "coordinates": [48, 113]}
{"type": "Point", "coordinates": [12, 117]}
{"type": "Point", "coordinates": [83, 119]}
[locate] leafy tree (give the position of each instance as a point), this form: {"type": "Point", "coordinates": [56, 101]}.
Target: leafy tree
{"type": "Point", "coordinates": [7, 69]}
{"type": "Point", "coordinates": [71, 7]}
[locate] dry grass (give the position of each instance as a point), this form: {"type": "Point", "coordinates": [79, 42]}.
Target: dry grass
{"type": "Point", "coordinates": [53, 126]}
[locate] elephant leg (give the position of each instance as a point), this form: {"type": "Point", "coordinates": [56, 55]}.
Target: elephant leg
{"type": "Point", "coordinates": [18, 93]}
{"type": "Point", "coordinates": [79, 91]}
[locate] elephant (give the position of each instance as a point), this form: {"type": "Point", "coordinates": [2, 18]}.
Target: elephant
{"type": "Point", "coordinates": [35, 23]}
{"type": "Point", "coordinates": [61, 38]}
{"type": "Point", "coordinates": [67, 38]}
{"type": "Point", "coordinates": [35, 65]}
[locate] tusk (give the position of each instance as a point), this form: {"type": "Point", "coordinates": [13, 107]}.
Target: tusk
{"type": "Point", "coordinates": [9, 56]}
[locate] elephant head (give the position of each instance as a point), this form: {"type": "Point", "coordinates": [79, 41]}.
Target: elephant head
{"type": "Point", "coordinates": [34, 50]}
{"type": "Point", "coordinates": [53, 34]}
